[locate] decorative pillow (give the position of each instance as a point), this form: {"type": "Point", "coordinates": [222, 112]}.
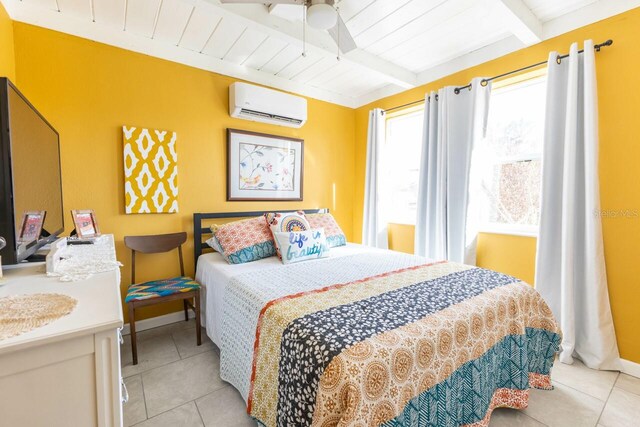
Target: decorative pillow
{"type": "Point", "coordinates": [245, 240]}
{"type": "Point", "coordinates": [286, 221]}
{"type": "Point", "coordinates": [302, 245]}
{"type": "Point", "coordinates": [213, 242]}
{"type": "Point", "coordinates": [335, 235]}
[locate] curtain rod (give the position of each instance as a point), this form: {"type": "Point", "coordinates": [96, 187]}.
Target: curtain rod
{"type": "Point", "coordinates": [457, 90]}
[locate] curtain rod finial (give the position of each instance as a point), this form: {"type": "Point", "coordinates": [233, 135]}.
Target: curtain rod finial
{"type": "Point", "coordinates": [601, 45]}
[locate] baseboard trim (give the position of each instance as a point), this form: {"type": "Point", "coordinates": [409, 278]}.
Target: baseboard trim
{"type": "Point", "coordinates": [630, 368]}
{"type": "Point", "coordinates": [154, 322]}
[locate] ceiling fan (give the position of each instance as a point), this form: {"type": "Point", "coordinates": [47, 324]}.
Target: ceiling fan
{"type": "Point", "coordinates": [321, 15]}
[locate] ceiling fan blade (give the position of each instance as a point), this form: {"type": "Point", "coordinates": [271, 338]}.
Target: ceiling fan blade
{"type": "Point", "coordinates": [342, 36]}
{"type": "Point", "coordinates": [265, 2]}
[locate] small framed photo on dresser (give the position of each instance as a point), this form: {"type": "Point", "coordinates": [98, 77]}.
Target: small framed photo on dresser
{"type": "Point", "coordinates": [31, 228]}
{"type": "Point", "coordinates": [86, 223]}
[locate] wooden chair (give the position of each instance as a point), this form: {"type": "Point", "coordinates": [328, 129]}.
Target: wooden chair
{"type": "Point", "coordinates": [160, 291]}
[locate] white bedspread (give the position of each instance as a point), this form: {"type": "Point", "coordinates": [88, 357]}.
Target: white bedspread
{"type": "Point", "coordinates": [214, 274]}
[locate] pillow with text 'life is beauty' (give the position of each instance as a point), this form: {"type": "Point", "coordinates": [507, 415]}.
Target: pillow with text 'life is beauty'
{"type": "Point", "coordinates": [299, 246]}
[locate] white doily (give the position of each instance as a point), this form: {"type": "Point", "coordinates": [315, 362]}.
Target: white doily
{"type": "Point", "coordinates": [79, 262]}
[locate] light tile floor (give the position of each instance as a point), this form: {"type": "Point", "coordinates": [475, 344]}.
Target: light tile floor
{"type": "Point", "coordinates": [177, 383]}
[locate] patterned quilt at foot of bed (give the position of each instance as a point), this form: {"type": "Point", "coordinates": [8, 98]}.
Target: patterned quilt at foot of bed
{"type": "Point", "coordinates": [425, 345]}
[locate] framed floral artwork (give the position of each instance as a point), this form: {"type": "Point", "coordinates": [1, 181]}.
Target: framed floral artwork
{"type": "Point", "coordinates": [263, 167]}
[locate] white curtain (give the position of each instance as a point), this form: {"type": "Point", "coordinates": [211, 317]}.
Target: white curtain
{"type": "Point", "coordinates": [570, 267]}
{"type": "Point", "coordinates": [452, 124]}
{"type": "Point", "coordinates": [374, 225]}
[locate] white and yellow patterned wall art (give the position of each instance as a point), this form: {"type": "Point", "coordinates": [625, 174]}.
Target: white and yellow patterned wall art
{"type": "Point", "coordinates": [150, 170]}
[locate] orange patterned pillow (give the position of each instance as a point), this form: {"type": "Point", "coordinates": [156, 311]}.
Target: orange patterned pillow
{"type": "Point", "coordinates": [333, 232]}
{"type": "Point", "coordinates": [245, 240]}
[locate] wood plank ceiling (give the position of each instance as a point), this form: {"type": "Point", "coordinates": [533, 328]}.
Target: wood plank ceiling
{"type": "Point", "coordinates": [401, 43]}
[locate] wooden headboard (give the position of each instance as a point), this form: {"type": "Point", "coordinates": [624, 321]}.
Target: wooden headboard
{"type": "Point", "coordinates": [202, 232]}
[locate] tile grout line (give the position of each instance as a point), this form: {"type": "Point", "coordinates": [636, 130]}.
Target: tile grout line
{"type": "Point", "coordinates": [198, 410]}
{"type": "Point", "coordinates": [173, 340]}
{"type": "Point", "coordinates": [169, 410]}
{"type": "Point", "coordinates": [225, 384]}
{"type": "Point", "coordinates": [529, 416]}
{"type": "Point", "coordinates": [186, 403]}
{"type": "Point", "coordinates": [211, 392]}
{"type": "Point", "coordinates": [623, 389]}
{"type": "Point", "coordinates": [144, 399]}
{"type": "Point", "coordinates": [607, 401]}
{"type": "Point", "coordinates": [168, 363]}
{"type": "Point", "coordinates": [182, 357]}
{"type": "Point", "coordinates": [587, 394]}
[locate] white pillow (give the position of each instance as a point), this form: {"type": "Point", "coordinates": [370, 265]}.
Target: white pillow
{"type": "Point", "coordinates": [213, 242]}
{"type": "Point", "coordinates": [298, 246]}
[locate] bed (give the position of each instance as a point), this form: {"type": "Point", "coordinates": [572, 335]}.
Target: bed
{"type": "Point", "coordinates": [368, 337]}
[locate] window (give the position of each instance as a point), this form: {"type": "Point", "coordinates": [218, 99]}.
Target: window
{"type": "Point", "coordinates": [507, 163]}
{"type": "Point", "coordinates": [401, 162]}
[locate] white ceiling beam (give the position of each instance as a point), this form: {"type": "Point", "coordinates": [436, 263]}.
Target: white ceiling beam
{"type": "Point", "coordinates": [290, 12]}
{"type": "Point", "coordinates": [42, 17]}
{"type": "Point", "coordinates": [258, 17]}
{"type": "Point", "coordinates": [586, 15]}
{"type": "Point", "coordinates": [589, 14]}
{"type": "Point", "coordinates": [21, 11]}
{"type": "Point", "coordinates": [520, 21]}
{"type": "Point", "coordinates": [479, 56]}
{"type": "Point", "coordinates": [8, 6]}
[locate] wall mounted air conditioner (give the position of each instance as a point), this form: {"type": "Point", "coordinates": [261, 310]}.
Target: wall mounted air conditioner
{"type": "Point", "coordinates": [260, 104]}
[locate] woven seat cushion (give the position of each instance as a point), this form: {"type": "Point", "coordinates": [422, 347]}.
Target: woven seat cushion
{"type": "Point", "coordinates": [161, 288]}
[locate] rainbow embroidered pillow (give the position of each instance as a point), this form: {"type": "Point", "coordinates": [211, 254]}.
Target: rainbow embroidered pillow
{"type": "Point", "coordinates": [299, 246]}
{"type": "Point", "coordinates": [245, 241]}
{"type": "Point", "coordinates": [335, 235]}
{"type": "Point", "coordinates": [286, 221]}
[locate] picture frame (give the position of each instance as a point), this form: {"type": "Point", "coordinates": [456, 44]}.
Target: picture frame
{"type": "Point", "coordinates": [86, 223]}
{"type": "Point", "coordinates": [263, 167]}
{"type": "Point", "coordinates": [31, 227]}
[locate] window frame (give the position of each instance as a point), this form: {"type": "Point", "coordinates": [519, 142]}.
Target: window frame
{"type": "Point", "coordinates": [418, 109]}
{"type": "Point", "coordinates": [523, 230]}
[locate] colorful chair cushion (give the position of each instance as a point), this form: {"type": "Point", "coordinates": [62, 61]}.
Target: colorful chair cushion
{"type": "Point", "coordinates": [335, 235]}
{"type": "Point", "coordinates": [286, 222]}
{"type": "Point", "coordinates": [161, 288]}
{"type": "Point", "coordinates": [245, 240]}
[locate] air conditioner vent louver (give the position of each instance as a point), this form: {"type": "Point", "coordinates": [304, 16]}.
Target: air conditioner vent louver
{"type": "Point", "coordinates": [245, 112]}
{"type": "Point", "coordinates": [266, 105]}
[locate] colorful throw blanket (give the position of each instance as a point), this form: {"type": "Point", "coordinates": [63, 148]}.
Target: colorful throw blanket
{"type": "Point", "coordinates": [384, 339]}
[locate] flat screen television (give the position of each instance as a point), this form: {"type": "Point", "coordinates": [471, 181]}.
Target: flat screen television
{"type": "Point", "coordinates": [30, 178]}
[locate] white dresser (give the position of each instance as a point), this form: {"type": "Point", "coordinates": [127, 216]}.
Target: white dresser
{"type": "Point", "coordinates": [66, 373]}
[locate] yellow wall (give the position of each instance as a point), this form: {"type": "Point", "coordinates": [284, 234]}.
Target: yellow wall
{"type": "Point", "coordinates": [619, 104]}
{"type": "Point", "coordinates": [401, 238]}
{"type": "Point", "coordinates": [88, 90]}
{"type": "Point", "coordinates": [7, 61]}
{"type": "Point", "coordinates": [513, 255]}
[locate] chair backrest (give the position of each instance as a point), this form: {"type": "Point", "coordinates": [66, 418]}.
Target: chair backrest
{"type": "Point", "coordinates": [153, 244]}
